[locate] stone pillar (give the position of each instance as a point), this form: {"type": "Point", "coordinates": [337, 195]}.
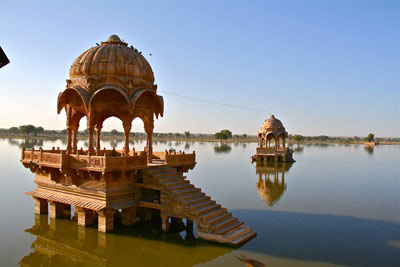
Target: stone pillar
{"type": "Point", "coordinates": [69, 140]}
{"type": "Point", "coordinates": [98, 133]}
{"type": "Point", "coordinates": [127, 129]}
{"type": "Point", "coordinates": [41, 206]}
{"type": "Point", "coordinates": [149, 133]}
{"type": "Point", "coordinates": [128, 216]}
{"type": "Point", "coordinates": [74, 141]}
{"type": "Point", "coordinates": [260, 142]}
{"type": "Point", "coordinates": [85, 216]}
{"type": "Point", "coordinates": [165, 223]}
{"type": "Point", "coordinates": [90, 148]}
{"type": "Point", "coordinates": [106, 220]}
{"type": "Point", "coordinates": [56, 209]}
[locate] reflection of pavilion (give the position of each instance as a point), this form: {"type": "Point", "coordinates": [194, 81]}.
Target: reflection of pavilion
{"type": "Point", "coordinates": [272, 187]}
{"type": "Point", "coordinates": [64, 243]}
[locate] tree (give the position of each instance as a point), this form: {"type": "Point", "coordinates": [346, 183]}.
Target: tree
{"type": "Point", "coordinates": [27, 129]}
{"type": "Point", "coordinates": [39, 130]}
{"type": "Point", "coordinates": [227, 133]}
{"type": "Point", "coordinates": [244, 136]}
{"type": "Point", "coordinates": [299, 138]}
{"type": "Point", "coordinates": [370, 138]}
{"type": "Point", "coordinates": [187, 134]}
{"type": "Point", "coordinates": [114, 132]}
{"type": "Point", "coordinates": [224, 134]}
{"type": "Point", "coordinates": [64, 132]}
{"type": "Point", "coordinates": [13, 130]}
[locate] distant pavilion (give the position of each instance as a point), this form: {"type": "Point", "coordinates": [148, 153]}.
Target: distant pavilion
{"type": "Point", "coordinates": [272, 142]}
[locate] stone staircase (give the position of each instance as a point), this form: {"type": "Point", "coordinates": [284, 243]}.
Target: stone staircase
{"type": "Point", "coordinates": [179, 198]}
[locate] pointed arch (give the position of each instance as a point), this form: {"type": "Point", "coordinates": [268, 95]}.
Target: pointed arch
{"type": "Point", "coordinates": [76, 97]}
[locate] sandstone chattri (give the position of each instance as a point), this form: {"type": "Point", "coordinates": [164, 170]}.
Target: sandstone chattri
{"type": "Point", "coordinates": [113, 79]}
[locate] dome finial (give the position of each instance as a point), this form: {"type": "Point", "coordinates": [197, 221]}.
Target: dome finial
{"type": "Point", "coordinates": [272, 116]}
{"type": "Point", "coordinates": [114, 38]}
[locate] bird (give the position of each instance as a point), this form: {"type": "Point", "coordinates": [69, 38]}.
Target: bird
{"type": "Point", "coordinates": [132, 46]}
{"type": "Point", "coordinates": [97, 44]}
{"type": "Point", "coordinates": [150, 54]}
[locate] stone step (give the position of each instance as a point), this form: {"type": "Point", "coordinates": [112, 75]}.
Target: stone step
{"type": "Point", "coordinates": [242, 230]}
{"type": "Point", "coordinates": [153, 171]}
{"type": "Point", "coordinates": [229, 228]}
{"type": "Point", "coordinates": [219, 218]}
{"type": "Point", "coordinates": [180, 186]}
{"type": "Point", "coordinates": [213, 213]}
{"type": "Point", "coordinates": [243, 238]}
{"type": "Point", "coordinates": [189, 196]}
{"type": "Point", "coordinates": [162, 173]}
{"type": "Point", "coordinates": [171, 183]}
{"type": "Point", "coordinates": [186, 191]}
{"type": "Point", "coordinates": [201, 203]}
{"type": "Point", "coordinates": [225, 222]}
{"type": "Point", "coordinates": [194, 199]}
{"type": "Point", "coordinates": [168, 178]}
{"type": "Point", "coordinates": [206, 209]}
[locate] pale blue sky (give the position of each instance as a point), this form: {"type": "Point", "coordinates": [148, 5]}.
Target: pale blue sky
{"type": "Point", "coordinates": [327, 68]}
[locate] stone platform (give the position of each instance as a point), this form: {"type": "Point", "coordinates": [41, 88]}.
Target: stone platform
{"type": "Point", "coordinates": [113, 184]}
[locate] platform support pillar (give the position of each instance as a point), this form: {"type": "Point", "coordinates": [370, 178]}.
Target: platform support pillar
{"type": "Point", "coordinates": [106, 220]}
{"type": "Point", "coordinates": [41, 205]}
{"type": "Point", "coordinates": [85, 216]}
{"type": "Point", "coordinates": [56, 209]}
{"type": "Point", "coordinates": [165, 223]}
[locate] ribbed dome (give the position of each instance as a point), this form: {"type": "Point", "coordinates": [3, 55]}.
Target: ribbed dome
{"type": "Point", "coordinates": [113, 58]}
{"type": "Point", "coordinates": [272, 125]}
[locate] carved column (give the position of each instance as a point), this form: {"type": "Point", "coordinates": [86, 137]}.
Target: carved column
{"type": "Point", "coordinates": [260, 142]}
{"type": "Point", "coordinates": [149, 145]}
{"type": "Point", "coordinates": [90, 148]}
{"type": "Point", "coordinates": [127, 129]}
{"type": "Point", "coordinates": [98, 133]}
{"type": "Point", "coordinates": [69, 140]}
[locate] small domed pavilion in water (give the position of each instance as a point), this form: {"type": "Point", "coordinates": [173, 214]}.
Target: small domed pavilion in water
{"type": "Point", "coordinates": [272, 142]}
{"type": "Point", "coordinates": [113, 79]}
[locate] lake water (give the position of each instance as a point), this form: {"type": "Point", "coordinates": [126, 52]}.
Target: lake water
{"type": "Point", "coordinates": [337, 205]}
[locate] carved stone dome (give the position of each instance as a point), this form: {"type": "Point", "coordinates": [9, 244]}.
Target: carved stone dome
{"type": "Point", "coordinates": [113, 59]}
{"type": "Point", "coordinates": [272, 125]}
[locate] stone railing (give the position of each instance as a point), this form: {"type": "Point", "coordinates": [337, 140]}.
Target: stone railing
{"type": "Point", "coordinates": [51, 158]}
{"type": "Point", "coordinates": [178, 158]}
{"type": "Point", "coordinates": [60, 159]}
{"type": "Point", "coordinates": [272, 150]}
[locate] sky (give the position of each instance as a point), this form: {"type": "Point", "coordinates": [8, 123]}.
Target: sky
{"type": "Point", "coordinates": [321, 67]}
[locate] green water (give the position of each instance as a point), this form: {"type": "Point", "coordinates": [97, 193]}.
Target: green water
{"type": "Point", "coordinates": [337, 205]}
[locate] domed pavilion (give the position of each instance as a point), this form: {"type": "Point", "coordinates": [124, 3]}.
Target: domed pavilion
{"type": "Point", "coordinates": [272, 142]}
{"type": "Point", "coordinates": [114, 79]}
{"type": "Point", "coordinates": [110, 80]}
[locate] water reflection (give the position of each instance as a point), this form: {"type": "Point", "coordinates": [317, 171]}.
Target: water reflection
{"type": "Point", "coordinates": [223, 148]}
{"type": "Point", "coordinates": [27, 142]}
{"type": "Point", "coordinates": [272, 187]}
{"type": "Point", "coordinates": [369, 150]}
{"type": "Point", "coordinates": [64, 243]}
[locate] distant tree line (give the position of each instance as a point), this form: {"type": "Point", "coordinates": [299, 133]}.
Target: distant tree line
{"type": "Point", "coordinates": [31, 130]}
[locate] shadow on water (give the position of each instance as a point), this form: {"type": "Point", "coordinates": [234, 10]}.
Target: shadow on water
{"type": "Point", "coordinates": [64, 243]}
{"type": "Point", "coordinates": [318, 237]}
